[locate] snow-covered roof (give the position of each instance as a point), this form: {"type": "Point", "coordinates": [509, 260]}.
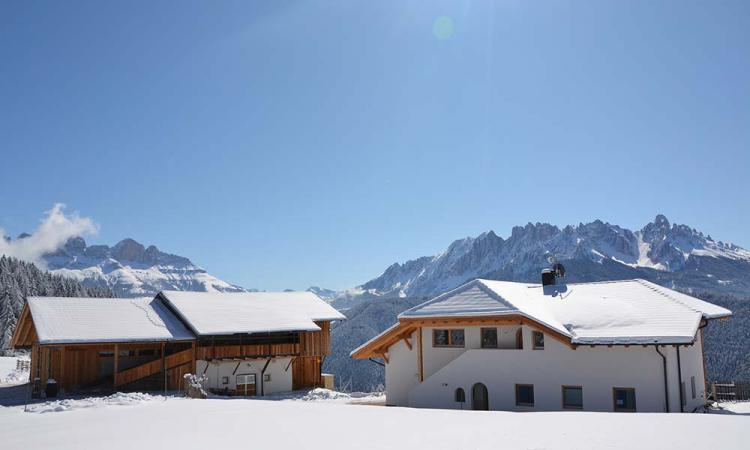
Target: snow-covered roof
{"type": "Point", "coordinates": [612, 312]}
{"type": "Point", "coordinates": [212, 313]}
{"type": "Point", "coordinates": [68, 320]}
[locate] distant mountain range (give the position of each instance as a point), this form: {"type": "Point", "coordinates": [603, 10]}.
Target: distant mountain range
{"type": "Point", "coordinates": [131, 270]}
{"type": "Point", "coordinates": [673, 255]}
{"type": "Point", "coordinates": [676, 256]}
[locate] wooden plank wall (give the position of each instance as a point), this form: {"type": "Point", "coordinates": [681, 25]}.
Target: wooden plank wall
{"type": "Point", "coordinates": [316, 343]}
{"type": "Point", "coordinates": [249, 351]}
{"type": "Point", "coordinates": [306, 372]}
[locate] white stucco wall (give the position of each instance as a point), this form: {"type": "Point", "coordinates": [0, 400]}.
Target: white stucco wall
{"type": "Point", "coordinates": [402, 372]}
{"type": "Point", "coordinates": [596, 369]}
{"type": "Point", "coordinates": [281, 377]}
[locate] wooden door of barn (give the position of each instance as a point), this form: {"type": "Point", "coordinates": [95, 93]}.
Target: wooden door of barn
{"type": "Point", "coordinates": [305, 372]}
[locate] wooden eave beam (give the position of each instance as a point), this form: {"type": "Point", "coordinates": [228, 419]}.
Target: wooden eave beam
{"type": "Point", "coordinates": [486, 320]}
{"type": "Point", "coordinates": [20, 336]}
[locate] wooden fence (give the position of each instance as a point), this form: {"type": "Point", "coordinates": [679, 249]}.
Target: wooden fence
{"type": "Point", "coordinates": [729, 391]}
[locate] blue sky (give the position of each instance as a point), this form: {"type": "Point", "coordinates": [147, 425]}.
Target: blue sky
{"type": "Point", "coordinates": [283, 144]}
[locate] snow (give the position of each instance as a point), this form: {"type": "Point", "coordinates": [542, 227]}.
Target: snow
{"type": "Point", "coordinates": [613, 312]}
{"type": "Point", "coordinates": [117, 399]}
{"type": "Point", "coordinates": [9, 376]}
{"type": "Point", "coordinates": [125, 422]}
{"type": "Point", "coordinates": [76, 320]}
{"type": "Point", "coordinates": [209, 313]}
{"type": "Point", "coordinates": [732, 408]}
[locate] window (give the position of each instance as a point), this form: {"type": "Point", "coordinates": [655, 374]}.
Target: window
{"type": "Point", "coordinates": [147, 352]}
{"type": "Point", "coordinates": [692, 386]}
{"type": "Point", "coordinates": [106, 354]}
{"type": "Point", "coordinates": [525, 394]}
{"type": "Point", "coordinates": [538, 339]}
{"type": "Point", "coordinates": [489, 337]}
{"type": "Point", "coordinates": [267, 377]}
{"type": "Point", "coordinates": [125, 353]}
{"type": "Point", "coordinates": [246, 379]}
{"type": "Point", "coordinates": [519, 339]}
{"type": "Point", "coordinates": [572, 397]}
{"type": "Point", "coordinates": [224, 380]}
{"type": "Point", "coordinates": [460, 395]}
{"type": "Point", "coordinates": [448, 338]}
{"type": "Point", "coordinates": [624, 399]}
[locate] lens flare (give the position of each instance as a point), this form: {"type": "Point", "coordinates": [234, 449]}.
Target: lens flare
{"type": "Point", "coordinates": [442, 28]}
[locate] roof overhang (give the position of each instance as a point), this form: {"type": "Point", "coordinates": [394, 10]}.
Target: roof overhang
{"type": "Point", "coordinates": [379, 345]}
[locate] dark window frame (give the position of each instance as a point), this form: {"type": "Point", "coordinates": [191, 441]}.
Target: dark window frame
{"type": "Point", "coordinates": [566, 406]}
{"type": "Point", "coordinates": [450, 339]}
{"type": "Point", "coordinates": [614, 399]}
{"type": "Point", "coordinates": [519, 339]}
{"type": "Point", "coordinates": [481, 337]}
{"type": "Point", "coordinates": [459, 395]}
{"type": "Point", "coordinates": [518, 390]}
{"type": "Point", "coordinates": [534, 345]}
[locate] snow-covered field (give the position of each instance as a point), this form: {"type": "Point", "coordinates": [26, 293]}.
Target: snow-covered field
{"type": "Point", "coordinates": [8, 373]}
{"type": "Point", "coordinates": [326, 420]}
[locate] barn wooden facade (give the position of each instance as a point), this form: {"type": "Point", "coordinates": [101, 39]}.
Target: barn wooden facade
{"type": "Point", "coordinates": [279, 340]}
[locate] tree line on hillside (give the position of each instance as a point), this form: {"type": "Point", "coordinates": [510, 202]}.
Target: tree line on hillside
{"type": "Point", "coordinates": [20, 279]}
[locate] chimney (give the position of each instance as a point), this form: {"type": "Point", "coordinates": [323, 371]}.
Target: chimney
{"type": "Point", "coordinates": [548, 277]}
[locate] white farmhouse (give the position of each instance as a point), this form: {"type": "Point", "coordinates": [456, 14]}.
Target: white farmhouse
{"type": "Point", "coordinates": [606, 346]}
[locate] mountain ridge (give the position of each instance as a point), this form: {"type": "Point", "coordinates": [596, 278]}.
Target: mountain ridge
{"type": "Point", "coordinates": [674, 255]}
{"type": "Point", "coordinates": [131, 269]}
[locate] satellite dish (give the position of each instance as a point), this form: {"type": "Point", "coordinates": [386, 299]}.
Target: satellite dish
{"type": "Point", "coordinates": [551, 259]}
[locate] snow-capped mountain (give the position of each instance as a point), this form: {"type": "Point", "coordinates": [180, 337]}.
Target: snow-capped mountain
{"type": "Point", "coordinates": [675, 255]}
{"type": "Point", "coordinates": [326, 294]}
{"type": "Point", "coordinates": [130, 269]}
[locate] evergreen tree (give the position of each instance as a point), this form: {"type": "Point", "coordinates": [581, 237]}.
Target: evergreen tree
{"type": "Point", "coordinates": [20, 279]}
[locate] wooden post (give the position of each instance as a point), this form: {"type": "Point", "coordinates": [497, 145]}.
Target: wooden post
{"type": "Point", "coordinates": [44, 367]}
{"type": "Point", "coordinates": [195, 363]}
{"type": "Point", "coordinates": [164, 366]}
{"type": "Point", "coordinates": [116, 367]}
{"type": "Point", "coordinates": [421, 362]}
{"type": "Point", "coordinates": [62, 382]}
{"type": "Point", "coordinates": [34, 370]}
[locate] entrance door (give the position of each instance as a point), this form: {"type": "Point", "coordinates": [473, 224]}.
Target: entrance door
{"type": "Point", "coordinates": [479, 400]}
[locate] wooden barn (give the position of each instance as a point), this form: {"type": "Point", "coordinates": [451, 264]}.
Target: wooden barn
{"type": "Point", "coordinates": [244, 343]}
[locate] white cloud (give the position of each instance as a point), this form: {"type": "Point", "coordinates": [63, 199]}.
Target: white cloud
{"type": "Point", "coordinates": [51, 234]}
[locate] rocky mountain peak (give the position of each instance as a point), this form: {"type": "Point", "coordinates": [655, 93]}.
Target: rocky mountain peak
{"type": "Point", "coordinates": [128, 250]}
{"type": "Point", "coordinates": [594, 251]}
{"type": "Point", "coordinates": [75, 245]}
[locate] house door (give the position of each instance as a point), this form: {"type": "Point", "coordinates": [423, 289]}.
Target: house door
{"type": "Point", "coordinates": [479, 400]}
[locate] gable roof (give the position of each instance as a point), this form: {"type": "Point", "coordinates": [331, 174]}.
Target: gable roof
{"type": "Point", "coordinates": [212, 313]}
{"type": "Point", "coordinates": [611, 312]}
{"type": "Point", "coordinates": [69, 320]}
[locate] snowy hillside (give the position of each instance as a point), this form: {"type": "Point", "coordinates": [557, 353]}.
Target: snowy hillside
{"type": "Point", "coordinates": [132, 270]}
{"type": "Point", "coordinates": [668, 254]}
{"type": "Point", "coordinates": [332, 423]}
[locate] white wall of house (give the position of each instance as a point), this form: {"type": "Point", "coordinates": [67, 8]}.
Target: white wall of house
{"type": "Point", "coordinates": [402, 371]}
{"type": "Point", "coordinates": [596, 369]}
{"type": "Point", "coordinates": [279, 369]}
